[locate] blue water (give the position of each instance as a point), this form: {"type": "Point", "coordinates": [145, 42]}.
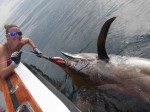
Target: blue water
{"type": "Point", "coordinates": [73, 26]}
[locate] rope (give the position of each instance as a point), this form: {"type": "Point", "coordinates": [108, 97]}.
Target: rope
{"type": "Point", "coordinates": [28, 52]}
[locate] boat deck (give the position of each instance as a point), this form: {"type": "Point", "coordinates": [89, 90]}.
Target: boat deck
{"type": "Point", "coordinates": [32, 90]}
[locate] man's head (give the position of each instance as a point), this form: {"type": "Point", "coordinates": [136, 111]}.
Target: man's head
{"type": "Point", "coordinates": [13, 34]}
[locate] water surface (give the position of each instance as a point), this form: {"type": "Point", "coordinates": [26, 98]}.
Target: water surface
{"type": "Point", "coordinates": [73, 26]}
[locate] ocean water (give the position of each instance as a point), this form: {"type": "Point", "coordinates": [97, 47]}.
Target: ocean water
{"type": "Point", "coordinates": [6, 8]}
{"type": "Point", "coordinates": [73, 26]}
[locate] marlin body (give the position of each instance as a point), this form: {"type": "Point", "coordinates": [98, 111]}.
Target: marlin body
{"type": "Point", "coordinates": [118, 69]}
{"type": "Point", "coordinates": [91, 69]}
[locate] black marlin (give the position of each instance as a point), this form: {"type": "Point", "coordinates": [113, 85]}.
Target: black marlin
{"type": "Point", "coordinates": [91, 69]}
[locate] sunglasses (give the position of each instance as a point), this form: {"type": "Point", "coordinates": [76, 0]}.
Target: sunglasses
{"type": "Point", "coordinates": [15, 33]}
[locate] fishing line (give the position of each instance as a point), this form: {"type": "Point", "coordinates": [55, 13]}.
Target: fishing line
{"type": "Point", "coordinates": [28, 52]}
{"type": "Point", "coordinates": [32, 53]}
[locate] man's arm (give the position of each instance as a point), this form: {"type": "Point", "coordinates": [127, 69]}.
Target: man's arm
{"type": "Point", "coordinates": [29, 42]}
{"type": "Point", "coordinates": [32, 45]}
{"type": "Point", "coordinates": [4, 70]}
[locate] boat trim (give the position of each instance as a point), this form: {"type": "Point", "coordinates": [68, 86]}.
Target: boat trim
{"type": "Point", "coordinates": [44, 96]}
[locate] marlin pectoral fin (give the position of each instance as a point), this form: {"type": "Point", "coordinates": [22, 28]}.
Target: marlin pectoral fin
{"type": "Point", "coordinates": [68, 55]}
{"type": "Point", "coordinates": [102, 54]}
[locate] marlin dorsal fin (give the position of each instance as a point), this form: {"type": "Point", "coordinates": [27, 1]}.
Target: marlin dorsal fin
{"type": "Point", "coordinates": [102, 54]}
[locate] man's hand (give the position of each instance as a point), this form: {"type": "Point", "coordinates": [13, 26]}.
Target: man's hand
{"type": "Point", "coordinates": [15, 57]}
{"type": "Point", "coordinates": [37, 52]}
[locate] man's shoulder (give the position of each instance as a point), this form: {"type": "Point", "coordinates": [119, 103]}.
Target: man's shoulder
{"type": "Point", "coordinates": [25, 39]}
{"type": "Point", "coordinates": [2, 48]}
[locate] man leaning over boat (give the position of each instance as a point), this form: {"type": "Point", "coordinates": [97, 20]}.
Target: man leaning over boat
{"type": "Point", "coordinates": [10, 53]}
